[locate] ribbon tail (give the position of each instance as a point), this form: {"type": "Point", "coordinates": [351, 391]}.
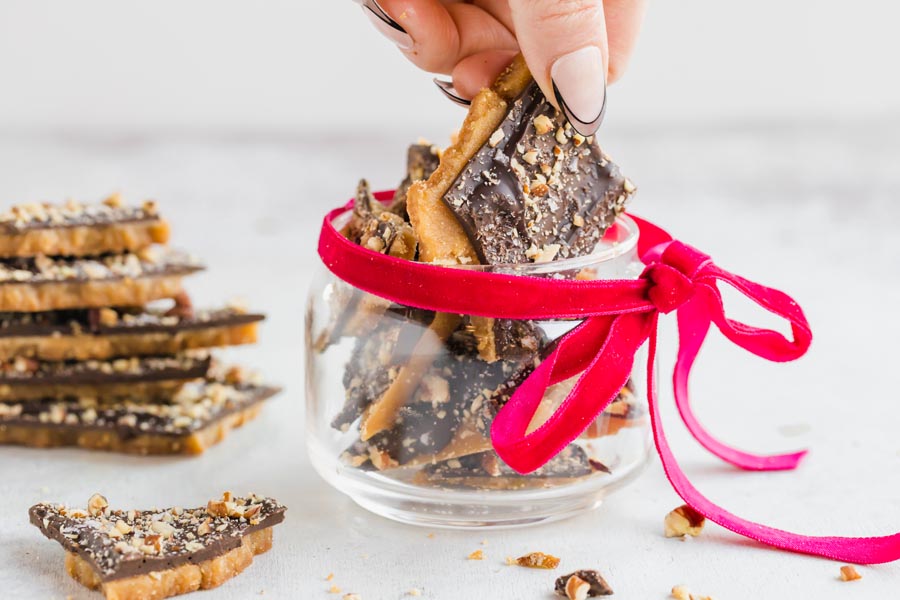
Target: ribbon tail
{"type": "Point", "coordinates": [610, 365]}
{"type": "Point", "coordinates": [693, 325]}
{"type": "Point", "coordinates": [868, 550]}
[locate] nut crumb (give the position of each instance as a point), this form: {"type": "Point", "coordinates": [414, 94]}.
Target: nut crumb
{"type": "Point", "coordinates": [680, 592]}
{"type": "Point", "coordinates": [414, 592]}
{"type": "Point", "coordinates": [430, 536]}
{"type": "Point", "coordinates": [96, 505]}
{"type": "Point", "coordinates": [330, 577]}
{"type": "Point", "coordinates": [477, 555]}
{"type": "Point", "coordinates": [683, 521]}
{"type": "Point", "coordinates": [351, 597]}
{"type": "Point", "coordinates": [577, 588]}
{"type": "Point", "coordinates": [538, 560]}
{"type": "Point", "coordinates": [585, 583]}
{"type": "Point", "coordinates": [849, 573]}
{"type": "Point", "coordinates": [334, 590]}
{"type": "Point", "coordinates": [543, 124]}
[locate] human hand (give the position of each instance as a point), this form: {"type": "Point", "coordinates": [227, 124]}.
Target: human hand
{"type": "Point", "coordinates": [572, 47]}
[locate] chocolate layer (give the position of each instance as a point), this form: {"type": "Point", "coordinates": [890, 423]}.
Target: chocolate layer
{"type": "Point", "coordinates": [27, 217]}
{"type": "Point", "coordinates": [26, 372]}
{"type": "Point", "coordinates": [536, 191]}
{"type": "Point", "coordinates": [155, 262]}
{"type": "Point", "coordinates": [120, 544]}
{"type": "Point", "coordinates": [195, 406]}
{"type": "Point", "coordinates": [120, 321]}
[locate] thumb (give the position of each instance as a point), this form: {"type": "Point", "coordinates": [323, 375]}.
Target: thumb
{"type": "Point", "coordinates": [565, 45]}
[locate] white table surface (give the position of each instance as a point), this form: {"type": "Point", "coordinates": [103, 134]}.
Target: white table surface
{"type": "Point", "coordinates": [812, 209]}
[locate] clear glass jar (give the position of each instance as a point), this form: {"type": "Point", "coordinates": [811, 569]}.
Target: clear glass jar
{"type": "Point", "coordinates": [421, 392]}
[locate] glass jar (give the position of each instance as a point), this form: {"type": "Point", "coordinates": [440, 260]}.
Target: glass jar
{"type": "Point", "coordinates": [400, 403]}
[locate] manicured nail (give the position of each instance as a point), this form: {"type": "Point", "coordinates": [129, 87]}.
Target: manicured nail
{"type": "Point", "coordinates": [579, 84]}
{"type": "Point", "coordinates": [383, 22]}
{"type": "Point", "coordinates": [450, 92]}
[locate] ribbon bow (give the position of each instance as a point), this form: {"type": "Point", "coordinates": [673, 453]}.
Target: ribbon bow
{"type": "Point", "coordinates": [619, 316]}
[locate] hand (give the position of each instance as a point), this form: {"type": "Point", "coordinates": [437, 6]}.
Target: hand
{"type": "Point", "coordinates": [572, 47]}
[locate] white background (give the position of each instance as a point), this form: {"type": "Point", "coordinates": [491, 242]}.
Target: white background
{"type": "Point", "coordinates": [295, 66]}
{"type": "Point", "coordinates": [766, 133]}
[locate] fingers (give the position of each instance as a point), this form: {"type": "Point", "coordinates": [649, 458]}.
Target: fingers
{"type": "Point", "coordinates": [479, 71]}
{"type": "Point", "coordinates": [565, 45]}
{"type": "Point", "coordinates": [443, 35]}
{"type": "Point", "coordinates": [623, 22]}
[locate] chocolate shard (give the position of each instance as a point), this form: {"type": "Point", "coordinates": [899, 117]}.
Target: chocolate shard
{"type": "Point", "coordinates": [105, 333]}
{"type": "Point", "coordinates": [596, 585]}
{"type": "Point", "coordinates": [138, 554]}
{"type": "Point", "coordinates": [536, 190]}
{"type": "Point", "coordinates": [487, 471]}
{"type": "Point", "coordinates": [374, 227]}
{"type": "Point", "coordinates": [454, 393]}
{"type": "Point", "coordinates": [187, 422]}
{"type": "Point", "coordinates": [421, 161]}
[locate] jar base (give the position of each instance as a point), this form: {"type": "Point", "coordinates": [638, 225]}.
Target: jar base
{"type": "Point", "coordinates": [468, 509]}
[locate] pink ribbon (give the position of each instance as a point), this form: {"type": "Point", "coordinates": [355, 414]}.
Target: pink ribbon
{"type": "Point", "coordinates": [619, 316]}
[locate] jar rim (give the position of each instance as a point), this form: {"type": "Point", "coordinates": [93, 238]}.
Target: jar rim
{"type": "Point", "coordinates": [620, 239]}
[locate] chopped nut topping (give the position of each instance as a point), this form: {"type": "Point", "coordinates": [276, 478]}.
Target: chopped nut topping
{"type": "Point", "coordinates": [683, 521]}
{"type": "Point", "coordinates": [543, 124]}
{"type": "Point", "coordinates": [97, 505]}
{"type": "Point", "coordinates": [217, 508]}
{"type": "Point", "coordinates": [496, 138]}
{"type": "Point", "coordinates": [114, 201]}
{"type": "Point", "coordinates": [849, 573]}
{"type": "Point", "coordinates": [477, 555]}
{"type": "Point", "coordinates": [538, 560]}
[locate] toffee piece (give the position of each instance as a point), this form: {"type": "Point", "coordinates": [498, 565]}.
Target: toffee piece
{"type": "Point", "coordinates": [105, 333]}
{"type": "Point", "coordinates": [158, 553]}
{"type": "Point", "coordinates": [196, 417]}
{"type": "Point", "coordinates": [41, 283]}
{"type": "Point", "coordinates": [148, 377]}
{"type": "Point", "coordinates": [76, 229]}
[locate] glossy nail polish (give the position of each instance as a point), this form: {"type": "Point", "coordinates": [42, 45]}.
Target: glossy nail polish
{"type": "Point", "coordinates": [579, 84]}
{"type": "Point", "coordinates": [383, 22]}
{"type": "Point", "coordinates": [450, 92]}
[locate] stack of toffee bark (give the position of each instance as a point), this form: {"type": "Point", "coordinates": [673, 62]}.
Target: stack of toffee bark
{"type": "Point", "coordinates": [100, 347]}
{"type": "Point", "coordinates": [517, 186]}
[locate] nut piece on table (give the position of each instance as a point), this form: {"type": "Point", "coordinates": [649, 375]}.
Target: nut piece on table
{"type": "Point", "coordinates": [683, 521]}
{"type": "Point", "coordinates": [477, 555]}
{"type": "Point", "coordinates": [681, 592]}
{"type": "Point", "coordinates": [538, 560]}
{"type": "Point", "coordinates": [849, 573]}
{"type": "Point", "coordinates": [593, 583]}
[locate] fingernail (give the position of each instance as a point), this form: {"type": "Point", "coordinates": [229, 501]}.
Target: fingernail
{"type": "Point", "coordinates": [450, 92]}
{"type": "Point", "coordinates": [383, 22]}
{"type": "Point", "coordinates": [579, 84]}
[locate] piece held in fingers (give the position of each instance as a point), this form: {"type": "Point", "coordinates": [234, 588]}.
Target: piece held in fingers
{"type": "Point", "coordinates": [131, 279]}
{"type": "Point", "coordinates": [149, 377]}
{"type": "Point", "coordinates": [159, 553]}
{"type": "Point", "coordinates": [196, 417]}
{"type": "Point", "coordinates": [76, 229]}
{"type": "Point", "coordinates": [105, 333]}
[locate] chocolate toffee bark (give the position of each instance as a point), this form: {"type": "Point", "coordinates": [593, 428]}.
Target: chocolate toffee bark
{"type": "Point", "coordinates": [76, 229]}
{"type": "Point", "coordinates": [374, 227]}
{"type": "Point", "coordinates": [486, 471]}
{"type": "Point", "coordinates": [150, 378]}
{"type": "Point", "coordinates": [104, 333]}
{"type": "Point", "coordinates": [518, 186]}
{"type": "Point", "coordinates": [622, 413]}
{"type": "Point", "coordinates": [131, 279]}
{"type": "Point", "coordinates": [142, 554]}
{"type": "Point", "coordinates": [192, 419]}
{"type": "Point", "coordinates": [443, 410]}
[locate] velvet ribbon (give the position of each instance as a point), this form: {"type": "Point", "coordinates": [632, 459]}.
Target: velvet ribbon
{"type": "Point", "coordinates": [618, 317]}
